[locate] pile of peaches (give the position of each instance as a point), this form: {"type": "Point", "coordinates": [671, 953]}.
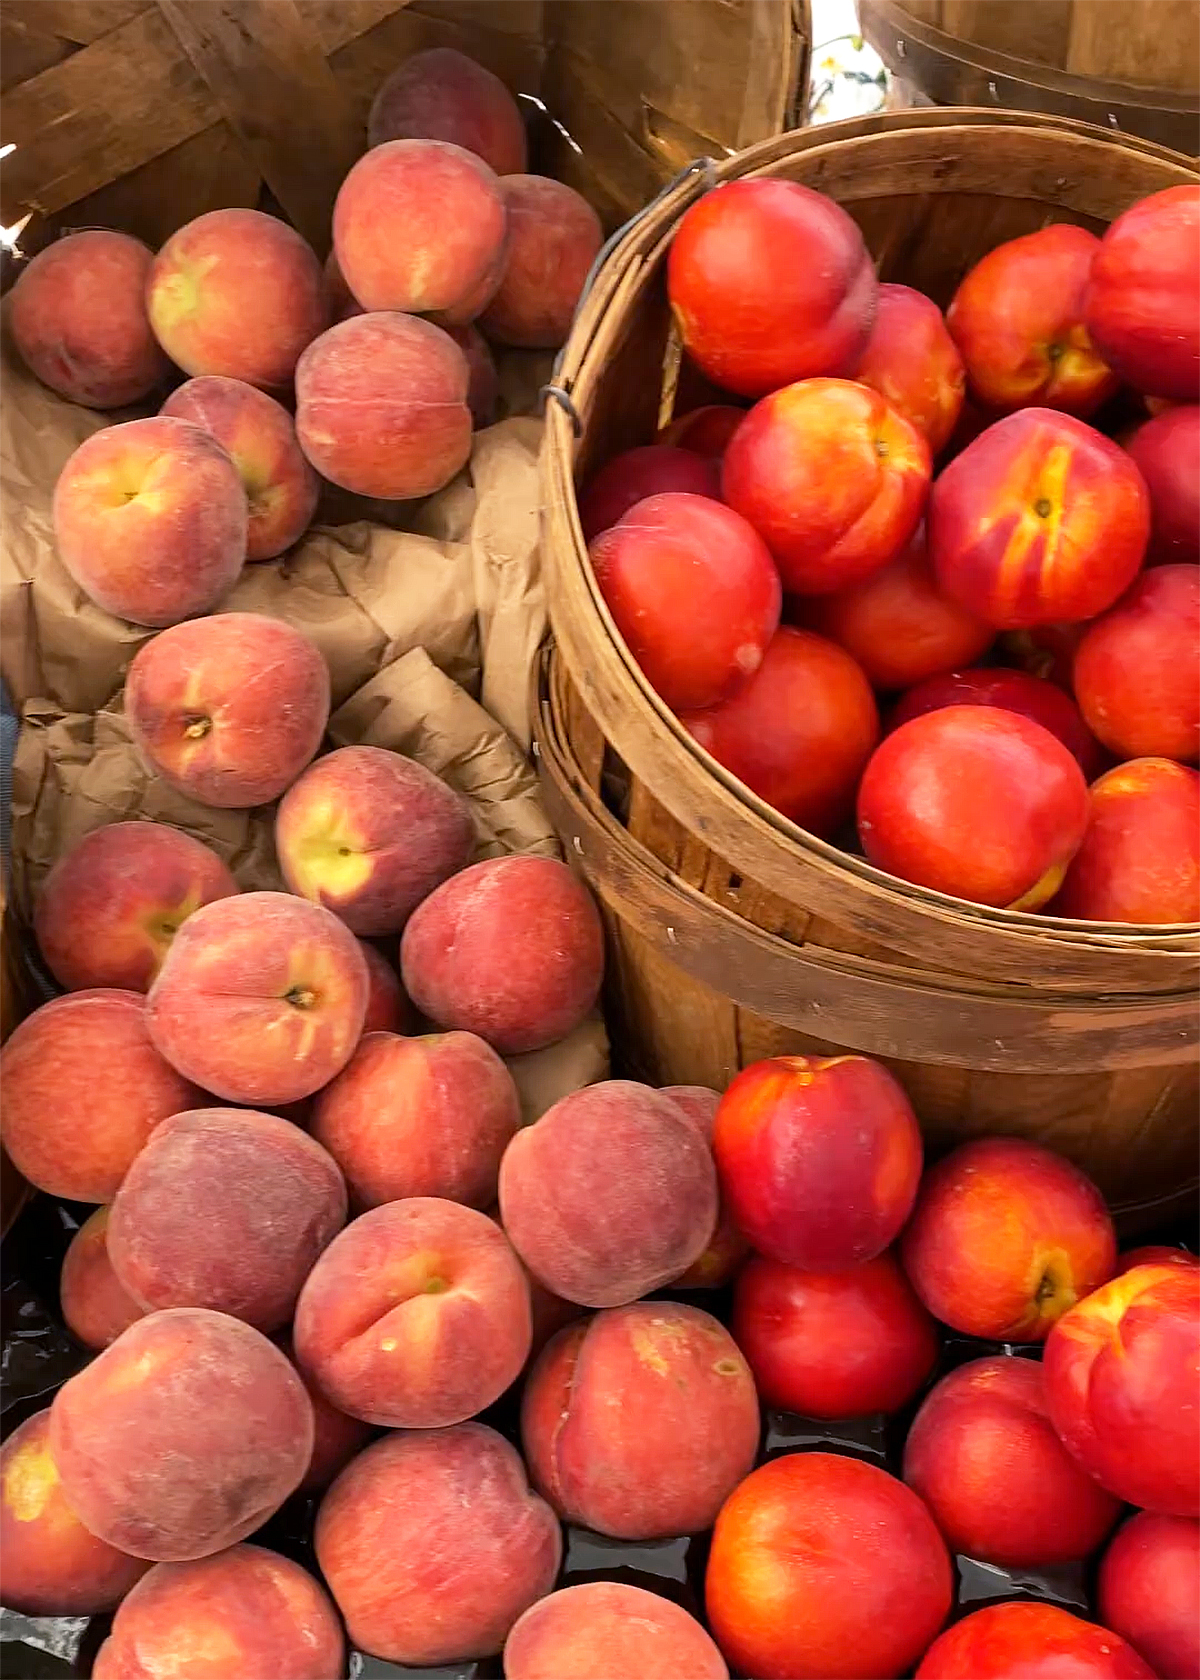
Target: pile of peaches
{"type": "Point", "coordinates": [912, 582]}
{"type": "Point", "coordinates": [448, 1335]}
{"type": "Point", "coordinates": [441, 244]}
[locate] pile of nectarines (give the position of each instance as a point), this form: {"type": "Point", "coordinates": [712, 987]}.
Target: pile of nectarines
{"type": "Point", "coordinates": [912, 505]}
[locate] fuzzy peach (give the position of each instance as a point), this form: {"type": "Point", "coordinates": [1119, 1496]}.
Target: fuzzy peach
{"type": "Point", "coordinates": [1005, 1237]}
{"type": "Point", "coordinates": [511, 949]}
{"type": "Point", "coordinates": [388, 1008]}
{"type": "Point", "coordinates": [1165, 450]}
{"type": "Point", "coordinates": [833, 1344]}
{"type": "Point", "coordinates": [433, 1543]}
{"type": "Point", "coordinates": [77, 314]}
{"type": "Point", "coordinates": [727, 1248]}
{"type": "Point", "coordinates": [95, 1305]}
{"type": "Point", "coordinates": [110, 907]}
{"type": "Point", "coordinates": [912, 361]}
{"type": "Point", "coordinates": [416, 1317]}
{"type": "Point", "coordinates": [602, 1628]}
{"type": "Point", "coordinates": [818, 1158]}
{"type": "Point", "coordinates": [441, 94]}
{"type": "Point", "coordinates": [1013, 691]}
{"type": "Point", "coordinates": [554, 237]}
{"type": "Point", "coordinates": [369, 834]}
{"type": "Point", "coordinates": [1143, 301]}
{"type": "Point", "coordinates": [245, 1611]}
{"type": "Point", "coordinates": [151, 520]}
{"type": "Point", "coordinates": [483, 381]}
{"type": "Point", "coordinates": [260, 438]}
{"type": "Point", "coordinates": [337, 1438]}
{"type": "Point", "coordinates": [1140, 858]}
{"type": "Point", "coordinates": [52, 1565]}
{"type": "Point", "coordinates": [770, 282]}
{"type": "Point", "coordinates": [381, 406]}
{"type": "Point", "coordinates": [419, 1117]}
{"type": "Point", "coordinates": [1137, 669]}
{"type": "Point", "coordinates": [262, 997]}
{"type": "Point", "coordinates": [238, 293]}
{"type": "Point", "coordinates": [228, 1209]}
{"type": "Point", "coordinates": [1147, 1592]}
{"type": "Point", "coordinates": [636, 474]}
{"type": "Point", "coordinates": [84, 1087]}
{"type": "Point", "coordinates": [639, 1422]}
{"type": "Point", "coordinates": [229, 709]}
{"type": "Point", "coordinates": [183, 1437]}
{"type": "Point", "coordinates": [611, 1194]}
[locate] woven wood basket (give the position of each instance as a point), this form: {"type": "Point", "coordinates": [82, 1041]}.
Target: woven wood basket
{"type": "Point", "coordinates": [735, 934]}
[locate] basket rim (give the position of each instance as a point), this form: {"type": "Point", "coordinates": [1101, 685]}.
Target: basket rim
{"type": "Point", "coordinates": [629, 269]}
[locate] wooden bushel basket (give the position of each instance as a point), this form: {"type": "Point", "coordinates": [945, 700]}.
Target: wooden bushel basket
{"type": "Point", "coordinates": [736, 935]}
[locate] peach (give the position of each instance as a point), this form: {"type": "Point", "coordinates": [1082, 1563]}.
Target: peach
{"type": "Point", "coordinates": [483, 386]}
{"type": "Point", "coordinates": [52, 1565]}
{"type": "Point", "coordinates": [337, 1438]}
{"type": "Point", "coordinates": [95, 1306]}
{"type": "Point", "coordinates": [340, 301]}
{"type": "Point", "coordinates": [705, 431]}
{"type": "Point", "coordinates": [554, 237]}
{"type": "Point", "coordinates": [818, 1158]}
{"type": "Point", "coordinates": [511, 949]}
{"type": "Point", "coordinates": [227, 1209]}
{"type": "Point", "coordinates": [1017, 319]}
{"type": "Point", "coordinates": [229, 709]}
{"type": "Point", "coordinates": [441, 94]}
{"type": "Point", "coordinates": [977, 802]}
{"type": "Point", "coordinates": [109, 909]}
{"type": "Point", "coordinates": [602, 1628]}
{"type": "Point", "coordinates": [381, 406]}
{"type": "Point", "coordinates": [1002, 1488]}
{"type": "Point", "coordinates": [237, 293]}
{"type": "Point", "coordinates": [833, 479]}
{"type": "Point", "coordinates": [770, 282]}
{"type": "Point", "coordinates": [1165, 451]}
{"type": "Point", "coordinates": [727, 1248]}
{"type": "Point", "coordinates": [260, 438]}
{"type": "Point", "coordinates": [84, 1087]}
{"type": "Point", "coordinates": [433, 1544]}
{"type": "Point", "coordinates": [369, 833]}
{"type": "Point", "coordinates": [800, 732]}
{"type": "Point", "coordinates": [833, 1344]}
{"type": "Point", "coordinates": [151, 519]}
{"type": "Point", "coordinates": [183, 1437]}
{"type": "Point", "coordinates": [1034, 1639]}
{"type": "Point", "coordinates": [639, 1422]}
{"type": "Point", "coordinates": [262, 998]}
{"type": "Point", "coordinates": [897, 623]}
{"type": "Point", "coordinates": [823, 1565]}
{"type": "Point", "coordinates": [1121, 1385]}
{"type": "Point", "coordinates": [416, 1316]}
{"type": "Point", "coordinates": [421, 226]}
{"type": "Point", "coordinates": [388, 1009]}
{"type": "Point", "coordinates": [1005, 1237]}
{"type": "Point", "coordinates": [912, 361]}
{"type": "Point", "coordinates": [246, 1612]}
{"type": "Point", "coordinates": [1154, 1254]}
{"type": "Point", "coordinates": [78, 317]}
{"type": "Point", "coordinates": [1013, 691]}
{"type": "Point", "coordinates": [1039, 521]}
{"type": "Point", "coordinates": [1143, 300]}
{"type": "Point", "coordinates": [679, 558]}
{"type": "Point", "coordinates": [631, 477]}
{"type": "Point", "coordinates": [611, 1194]}
{"type": "Point", "coordinates": [1140, 858]}
{"type": "Point", "coordinates": [419, 1117]}
{"type": "Point", "coordinates": [1137, 669]}
{"type": "Point", "coordinates": [1147, 1590]}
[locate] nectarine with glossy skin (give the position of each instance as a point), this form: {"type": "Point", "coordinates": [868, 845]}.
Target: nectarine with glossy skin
{"type": "Point", "coordinates": [1013, 691]}
{"type": "Point", "coordinates": [441, 94]}
{"type": "Point", "coordinates": [913, 361]}
{"type": "Point", "coordinates": [631, 477]}
{"type": "Point", "coordinates": [1165, 451]}
{"type": "Point", "coordinates": [554, 237]}
{"type": "Point", "coordinates": [770, 282]}
{"type": "Point", "coordinates": [1148, 1590]}
{"type": "Point", "coordinates": [1137, 669]}
{"type": "Point", "coordinates": [976, 802]}
{"type": "Point", "coordinates": [1143, 300]}
{"type": "Point", "coordinates": [1140, 858]}
{"type": "Point", "coordinates": [1041, 520]}
{"type": "Point", "coordinates": [1034, 1641]}
{"type": "Point", "coordinates": [1154, 1254]}
{"type": "Point", "coordinates": [705, 431]}
{"type": "Point", "coordinates": [602, 1628]}
{"type": "Point", "coordinates": [818, 1158]}
{"type": "Point", "coordinates": [833, 479]}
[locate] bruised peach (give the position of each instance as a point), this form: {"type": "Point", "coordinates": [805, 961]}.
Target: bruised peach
{"type": "Point", "coordinates": [1005, 1237]}
{"type": "Point", "coordinates": [635, 475]}
{"type": "Point", "coordinates": [441, 94]}
{"type": "Point", "coordinates": [433, 1543]}
{"type": "Point", "coordinates": [1009, 1639]}
{"type": "Point", "coordinates": [1146, 1590]}
{"type": "Point", "coordinates": [727, 1248]}
{"type": "Point", "coordinates": [770, 282]}
{"type": "Point", "coordinates": [84, 1087]}
{"type": "Point", "coordinates": [831, 477]}
{"type": "Point", "coordinates": [52, 1565]}
{"type": "Point", "coordinates": [262, 997]}
{"type": "Point", "coordinates": [1137, 669]}
{"type": "Point", "coordinates": [1140, 858]}
{"type": "Point", "coordinates": [913, 361]}
{"type": "Point", "coordinates": [602, 1628]}
{"type": "Point", "coordinates": [109, 909]}
{"type": "Point", "coordinates": [1165, 451]}
{"type": "Point", "coordinates": [554, 236]}
{"type": "Point", "coordinates": [77, 314]}
{"type": "Point", "coordinates": [183, 1437]}
{"type": "Point", "coordinates": [1012, 691]}
{"type": "Point", "coordinates": [705, 431]}
{"type": "Point", "coordinates": [639, 1422]}
{"type": "Point", "coordinates": [95, 1305]}
{"type": "Point", "coordinates": [1143, 301]}
{"type": "Point", "coordinates": [676, 558]}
